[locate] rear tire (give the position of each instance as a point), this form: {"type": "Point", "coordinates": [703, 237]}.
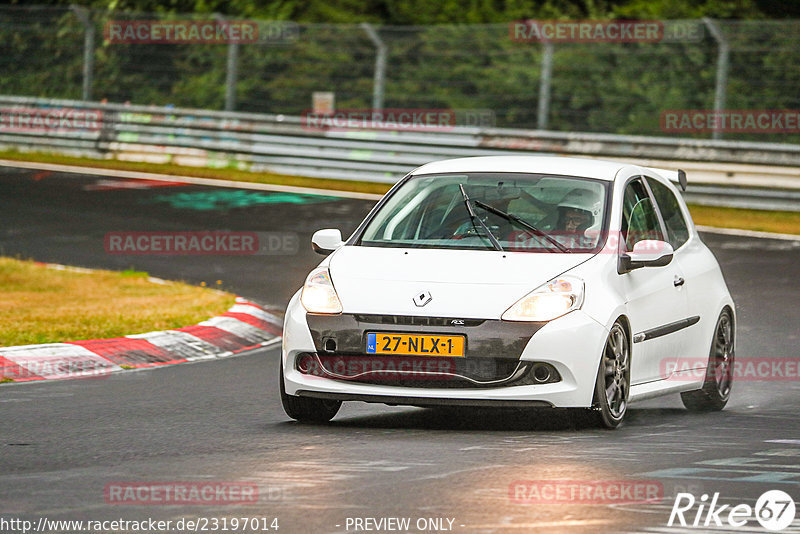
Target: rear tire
{"type": "Point", "coordinates": [612, 387]}
{"type": "Point", "coordinates": [716, 390]}
{"type": "Point", "coordinates": [306, 409]}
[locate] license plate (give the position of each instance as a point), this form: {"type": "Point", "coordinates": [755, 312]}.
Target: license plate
{"type": "Point", "coordinates": [414, 344]}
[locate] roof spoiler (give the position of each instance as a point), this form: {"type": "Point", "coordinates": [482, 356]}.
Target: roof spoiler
{"type": "Point", "coordinates": [679, 176]}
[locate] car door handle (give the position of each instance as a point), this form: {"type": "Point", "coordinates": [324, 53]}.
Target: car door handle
{"type": "Point", "coordinates": [678, 281]}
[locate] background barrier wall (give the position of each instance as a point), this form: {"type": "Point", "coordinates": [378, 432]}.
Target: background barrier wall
{"type": "Point", "coordinates": [727, 173]}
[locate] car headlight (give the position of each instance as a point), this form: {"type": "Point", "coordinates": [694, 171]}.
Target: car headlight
{"type": "Point", "coordinates": [550, 301]}
{"type": "Point", "coordinates": [319, 295]}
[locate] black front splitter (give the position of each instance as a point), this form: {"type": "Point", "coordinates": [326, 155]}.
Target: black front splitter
{"type": "Point", "coordinates": [423, 402]}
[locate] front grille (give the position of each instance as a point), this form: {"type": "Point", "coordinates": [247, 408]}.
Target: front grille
{"type": "Point", "coordinates": [485, 338]}
{"type": "Point", "coordinates": [411, 320]}
{"type": "Point", "coordinates": [423, 372]}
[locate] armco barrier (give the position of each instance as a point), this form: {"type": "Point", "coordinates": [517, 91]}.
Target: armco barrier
{"type": "Point", "coordinates": [284, 144]}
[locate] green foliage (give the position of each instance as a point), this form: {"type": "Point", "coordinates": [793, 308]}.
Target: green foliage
{"type": "Point", "coordinates": [435, 59]}
{"type": "Point", "coordinates": [418, 12]}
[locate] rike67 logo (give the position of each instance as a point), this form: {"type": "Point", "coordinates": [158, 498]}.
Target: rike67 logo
{"type": "Point", "coordinates": [774, 511]}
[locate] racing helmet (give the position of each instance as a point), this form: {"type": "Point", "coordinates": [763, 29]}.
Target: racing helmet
{"type": "Point", "coordinates": [583, 200]}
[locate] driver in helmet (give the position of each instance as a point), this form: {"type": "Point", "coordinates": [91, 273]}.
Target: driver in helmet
{"type": "Point", "coordinates": [576, 214]}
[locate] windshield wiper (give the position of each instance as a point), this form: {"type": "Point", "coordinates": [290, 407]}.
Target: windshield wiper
{"type": "Point", "coordinates": [474, 217]}
{"type": "Point", "coordinates": [525, 224]}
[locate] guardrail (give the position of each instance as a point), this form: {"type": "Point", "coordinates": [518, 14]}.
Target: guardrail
{"type": "Point", "coordinates": [286, 145]}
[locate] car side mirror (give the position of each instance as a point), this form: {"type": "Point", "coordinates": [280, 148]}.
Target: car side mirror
{"type": "Point", "coordinates": [646, 253]}
{"type": "Point", "coordinates": [326, 241]}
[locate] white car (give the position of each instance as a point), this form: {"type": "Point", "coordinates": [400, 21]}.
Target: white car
{"type": "Point", "coordinates": [514, 281]}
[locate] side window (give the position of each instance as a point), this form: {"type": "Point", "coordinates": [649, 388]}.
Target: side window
{"type": "Point", "coordinates": [677, 229]}
{"type": "Point", "coordinates": [639, 219]}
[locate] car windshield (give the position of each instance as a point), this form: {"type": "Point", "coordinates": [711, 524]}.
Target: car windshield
{"type": "Point", "coordinates": [517, 212]}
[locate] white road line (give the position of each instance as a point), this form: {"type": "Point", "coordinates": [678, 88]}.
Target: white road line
{"type": "Point", "coordinates": [256, 312]}
{"type": "Point", "coordinates": [238, 328]}
{"type": "Point", "coordinates": [747, 233]}
{"type": "Point", "coordinates": [136, 175]}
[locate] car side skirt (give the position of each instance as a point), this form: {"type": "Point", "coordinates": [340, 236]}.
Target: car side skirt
{"type": "Point", "coordinates": [657, 388]}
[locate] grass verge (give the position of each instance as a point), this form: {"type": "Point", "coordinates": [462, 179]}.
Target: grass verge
{"type": "Point", "coordinates": [783, 222]}
{"type": "Point", "coordinates": [44, 305]}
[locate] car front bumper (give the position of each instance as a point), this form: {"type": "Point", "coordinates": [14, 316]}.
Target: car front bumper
{"type": "Point", "coordinates": [572, 344]}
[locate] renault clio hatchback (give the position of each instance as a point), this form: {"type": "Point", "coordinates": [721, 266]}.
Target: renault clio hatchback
{"type": "Point", "coordinates": [514, 281]}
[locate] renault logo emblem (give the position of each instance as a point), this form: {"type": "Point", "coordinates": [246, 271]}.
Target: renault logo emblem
{"type": "Point", "coordinates": [422, 298]}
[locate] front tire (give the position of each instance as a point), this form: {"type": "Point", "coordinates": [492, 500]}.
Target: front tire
{"type": "Point", "coordinates": [306, 409]}
{"type": "Point", "coordinates": [716, 390]}
{"type": "Point", "coordinates": [612, 387]}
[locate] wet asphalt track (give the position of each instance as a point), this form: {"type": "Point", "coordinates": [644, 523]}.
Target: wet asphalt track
{"type": "Point", "coordinates": [61, 443]}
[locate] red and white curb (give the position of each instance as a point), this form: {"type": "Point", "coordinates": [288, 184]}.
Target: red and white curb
{"type": "Point", "coordinates": [244, 326]}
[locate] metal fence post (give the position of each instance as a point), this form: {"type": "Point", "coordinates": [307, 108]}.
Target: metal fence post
{"type": "Point", "coordinates": [380, 66]}
{"type": "Point", "coordinates": [545, 78]}
{"type": "Point", "coordinates": [231, 76]}
{"type": "Point", "coordinates": [231, 70]}
{"type": "Point", "coordinates": [723, 60]}
{"type": "Point", "coordinates": [88, 50]}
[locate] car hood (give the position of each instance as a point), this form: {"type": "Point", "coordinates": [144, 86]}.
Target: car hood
{"type": "Point", "coordinates": [462, 283]}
